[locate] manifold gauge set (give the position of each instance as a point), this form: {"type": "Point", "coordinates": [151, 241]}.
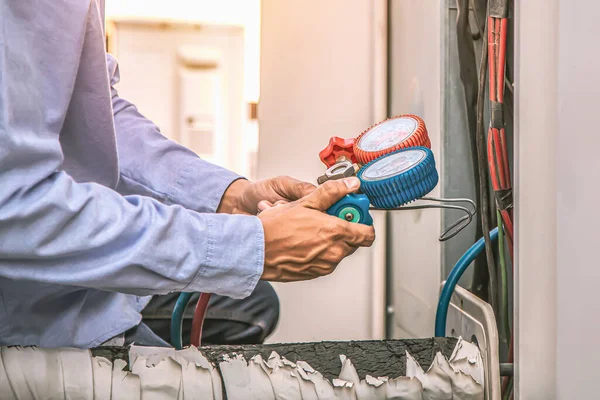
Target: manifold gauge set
{"type": "Point", "coordinates": [395, 164]}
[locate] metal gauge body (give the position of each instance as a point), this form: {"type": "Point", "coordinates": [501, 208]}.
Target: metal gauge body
{"type": "Point", "coordinates": [390, 135]}
{"type": "Point", "coordinates": [399, 177]}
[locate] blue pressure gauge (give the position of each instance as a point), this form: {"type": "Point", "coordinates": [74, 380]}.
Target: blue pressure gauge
{"type": "Point", "coordinates": [389, 182]}
{"type": "Point", "coordinates": [399, 178]}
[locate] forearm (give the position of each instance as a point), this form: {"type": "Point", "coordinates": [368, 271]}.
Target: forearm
{"type": "Point", "coordinates": [87, 235]}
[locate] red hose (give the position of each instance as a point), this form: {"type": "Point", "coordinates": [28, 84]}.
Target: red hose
{"type": "Point", "coordinates": [198, 321]}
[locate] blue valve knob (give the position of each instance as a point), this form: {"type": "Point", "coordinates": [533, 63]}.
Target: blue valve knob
{"type": "Point", "coordinates": [353, 208]}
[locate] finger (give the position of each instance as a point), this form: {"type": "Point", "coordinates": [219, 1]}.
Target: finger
{"type": "Point", "coordinates": [293, 271]}
{"type": "Point", "coordinates": [292, 189]}
{"type": "Point", "coordinates": [280, 203]}
{"type": "Point", "coordinates": [335, 254]}
{"type": "Point", "coordinates": [330, 192]}
{"type": "Point", "coordinates": [357, 235]}
{"type": "Point", "coordinates": [264, 205]}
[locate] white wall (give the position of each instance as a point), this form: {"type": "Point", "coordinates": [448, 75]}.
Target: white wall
{"type": "Point", "coordinates": [317, 82]}
{"type": "Point", "coordinates": [244, 13]}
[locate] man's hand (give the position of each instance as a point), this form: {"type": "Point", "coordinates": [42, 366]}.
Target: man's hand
{"type": "Point", "coordinates": [242, 196]}
{"type": "Point", "coordinates": [302, 242]}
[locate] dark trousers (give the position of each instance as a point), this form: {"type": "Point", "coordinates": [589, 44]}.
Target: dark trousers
{"type": "Point", "coordinates": [227, 321]}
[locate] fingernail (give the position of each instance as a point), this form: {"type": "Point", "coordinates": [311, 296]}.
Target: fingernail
{"type": "Point", "coordinates": [352, 183]}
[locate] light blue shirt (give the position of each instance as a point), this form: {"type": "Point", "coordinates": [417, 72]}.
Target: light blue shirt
{"type": "Point", "coordinates": [97, 208]}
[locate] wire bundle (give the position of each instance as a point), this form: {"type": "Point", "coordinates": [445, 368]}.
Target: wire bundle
{"type": "Point", "coordinates": [497, 145]}
{"type": "Point", "coordinates": [498, 153]}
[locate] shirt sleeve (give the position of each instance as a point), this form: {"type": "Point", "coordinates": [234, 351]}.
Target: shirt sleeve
{"type": "Point", "coordinates": [56, 230]}
{"type": "Point", "coordinates": [155, 166]}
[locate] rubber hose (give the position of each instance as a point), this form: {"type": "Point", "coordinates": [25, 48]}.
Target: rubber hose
{"type": "Point", "coordinates": [461, 266]}
{"type": "Point", "coordinates": [198, 321]}
{"type": "Point", "coordinates": [177, 320]}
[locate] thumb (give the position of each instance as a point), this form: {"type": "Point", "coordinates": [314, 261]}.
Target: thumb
{"type": "Point", "coordinates": [329, 193]}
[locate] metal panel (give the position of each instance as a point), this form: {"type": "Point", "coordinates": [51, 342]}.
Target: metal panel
{"type": "Point", "coordinates": [415, 73]}
{"type": "Point", "coordinates": [456, 150]}
{"type": "Point", "coordinates": [536, 208]}
{"type": "Point", "coordinates": [473, 319]}
{"type": "Point", "coordinates": [577, 168]}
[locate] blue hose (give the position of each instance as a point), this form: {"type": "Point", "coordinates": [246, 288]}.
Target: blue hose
{"type": "Point", "coordinates": [177, 319]}
{"type": "Point", "coordinates": [442, 310]}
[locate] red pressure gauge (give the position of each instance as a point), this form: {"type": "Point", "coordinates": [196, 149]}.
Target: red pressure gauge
{"type": "Point", "coordinates": [391, 135]}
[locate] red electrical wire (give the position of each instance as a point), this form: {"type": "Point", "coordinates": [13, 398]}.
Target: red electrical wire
{"type": "Point", "coordinates": [198, 321]}
{"type": "Point", "coordinates": [497, 146]}
{"type": "Point", "coordinates": [492, 56]}
{"type": "Point", "coordinates": [500, 174]}
{"type": "Point", "coordinates": [503, 25]}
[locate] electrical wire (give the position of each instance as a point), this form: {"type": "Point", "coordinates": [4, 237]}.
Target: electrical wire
{"type": "Point", "coordinates": [504, 277]}
{"type": "Point", "coordinates": [499, 167]}
{"type": "Point", "coordinates": [198, 321]}
{"type": "Point", "coordinates": [483, 183]}
{"type": "Point", "coordinates": [456, 227]}
{"type": "Point", "coordinates": [468, 75]}
{"type": "Point", "coordinates": [497, 144]}
{"type": "Point", "coordinates": [506, 381]}
{"type": "Point", "coordinates": [508, 394]}
{"type": "Point", "coordinates": [177, 320]}
{"type": "Point", "coordinates": [480, 25]}
{"type": "Point", "coordinates": [507, 369]}
{"type": "Point", "coordinates": [456, 273]}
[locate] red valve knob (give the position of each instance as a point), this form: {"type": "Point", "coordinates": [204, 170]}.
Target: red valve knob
{"type": "Point", "coordinates": [336, 149]}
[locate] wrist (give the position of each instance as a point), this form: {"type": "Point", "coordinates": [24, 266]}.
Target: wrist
{"type": "Point", "coordinates": [231, 202]}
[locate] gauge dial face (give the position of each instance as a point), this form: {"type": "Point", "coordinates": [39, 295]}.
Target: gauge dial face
{"type": "Point", "coordinates": [394, 164]}
{"type": "Point", "coordinates": [388, 134]}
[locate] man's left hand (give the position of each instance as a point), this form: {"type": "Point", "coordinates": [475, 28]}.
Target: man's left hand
{"type": "Point", "coordinates": [243, 197]}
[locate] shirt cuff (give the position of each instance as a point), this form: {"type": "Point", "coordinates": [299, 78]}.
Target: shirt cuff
{"type": "Point", "coordinates": [201, 186]}
{"type": "Point", "coordinates": [234, 259]}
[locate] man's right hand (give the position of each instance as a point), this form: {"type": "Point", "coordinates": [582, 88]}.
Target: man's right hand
{"type": "Point", "coordinates": [302, 242]}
